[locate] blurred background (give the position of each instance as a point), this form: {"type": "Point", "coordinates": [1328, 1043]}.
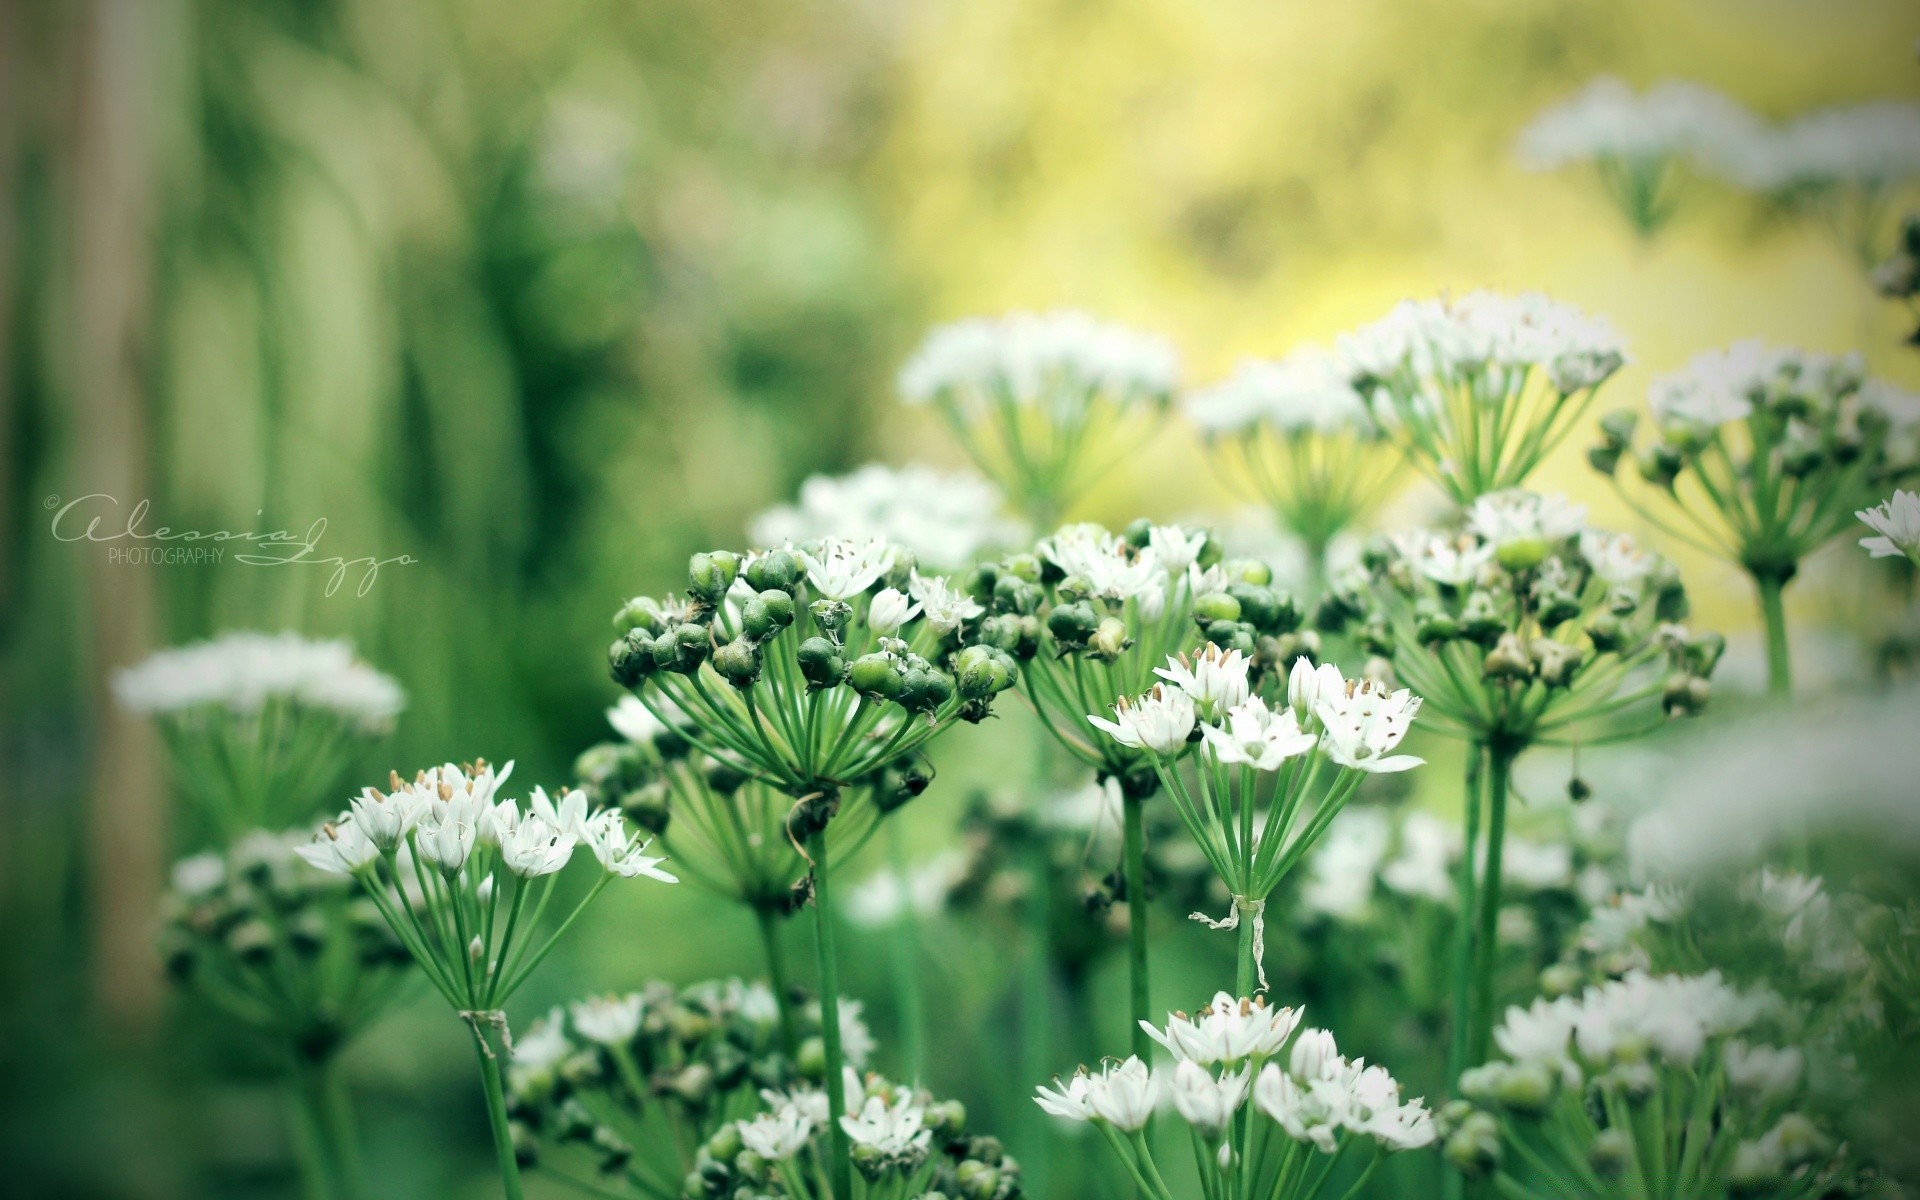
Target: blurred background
{"type": "Point", "coordinates": [543, 297]}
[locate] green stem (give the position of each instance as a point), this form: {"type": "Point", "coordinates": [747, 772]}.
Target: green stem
{"type": "Point", "coordinates": [777, 976]}
{"type": "Point", "coordinates": [906, 962]}
{"type": "Point", "coordinates": [840, 1152]}
{"type": "Point", "coordinates": [1487, 942]}
{"type": "Point", "coordinates": [1248, 971]}
{"type": "Point", "coordinates": [490, 1044]}
{"type": "Point", "coordinates": [1036, 1006]}
{"type": "Point", "coordinates": [313, 1144]}
{"type": "Point", "coordinates": [1452, 1184]}
{"type": "Point", "coordinates": [1133, 810]}
{"type": "Point", "coordinates": [1773, 614]}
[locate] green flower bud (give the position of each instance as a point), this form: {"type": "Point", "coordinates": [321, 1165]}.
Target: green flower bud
{"type": "Point", "coordinates": [1480, 619]}
{"type": "Point", "coordinates": [1474, 1148]}
{"type": "Point", "coordinates": [1684, 695]}
{"type": "Point", "coordinates": [984, 671]}
{"type": "Point", "coordinates": [1247, 570]}
{"type": "Point", "coordinates": [1016, 595]}
{"type": "Point", "coordinates": [1017, 635]}
{"type": "Point", "coordinates": [1560, 979]}
{"type": "Point", "coordinates": [1433, 623]}
{"type": "Point", "coordinates": [776, 570]}
{"type": "Point", "coordinates": [1555, 662]}
{"type": "Point", "coordinates": [1110, 640]}
{"type": "Point", "coordinates": [1616, 428]}
{"type": "Point", "coordinates": [979, 581]}
{"type": "Point", "coordinates": [876, 676]}
{"type": "Point", "coordinates": [924, 689]}
{"type": "Point", "coordinates": [1216, 606]}
{"type": "Point", "coordinates": [1525, 1088]}
{"type": "Point", "coordinates": [1521, 554]}
{"type": "Point", "coordinates": [1607, 633]}
{"type": "Point", "coordinates": [526, 1148]}
{"type": "Point", "coordinates": [1231, 635]}
{"type": "Point", "coordinates": [1604, 458]}
{"type": "Point", "coordinates": [725, 1144]}
{"type": "Point", "coordinates": [1800, 1141]}
{"type": "Point", "coordinates": [977, 1180]}
{"type": "Point", "coordinates": [1072, 624]}
{"type": "Point", "coordinates": [947, 1118]}
{"type": "Point", "coordinates": [690, 646]}
{"type": "Point", "coordinates": [710, 575]}
{"type": "Point", "coordinates": [1259, 606]}
{"type": "Point", "coordinates": [811, 1059]}
{"type": "Point", "coordinates": [820, 663]}
{"type": "Point", "coordinates": [1557, 605]}
{"type": "Point", "coordinates": [1023, 566]}
{"type": "Point", "coordinates": [738, 662]}
{"type": "Point", "coordinates": [1138, 533]}
{"type": "Point", "coordinates": [1507, 660]}
{"type": "Point", "coordinates": [630, 659]}
{"type": "Point", "coordinates": [1703, 653]}
{"type": "Point", "coordinates": [1660, 464]}
{"type": "Point", "coordinates": [750, 1165]}
{"type": "Point", "coordinates": [251, 941]}
{"type": "Point", "coordinates": [766, 614]}
{"type": "Point", "coordinates": [1073, 588]}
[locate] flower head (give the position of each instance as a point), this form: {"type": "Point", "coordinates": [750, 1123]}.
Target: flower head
{"type": "Point", "coordinates": [1160, 721]}
{"type": "Point", "coordinates": [605, 835]}
{"type": "Point", "coordinates": [1258, 737]}
{"type": "Point", "coordinates": [1208, 1104]}
{"type": "Point", "coordinates": [779, 1135]}
{"type": "Point", "coordinates": [840, 568]}
{"type": "Point", "coordinates": [1216, 679]}
{"type": "Point", "coordinates": [1124, 1095]}
{"type": "Point", "coordinates": [1897, 521]}
{"type": "Point", "coordinates": [608, 1020]}
{"type": "Point", "coordinates": [1227, 1031]}
{"type": "Point", "coordinates": [1365, 720]}
{"type": "Point", "coordinates": [947, 519]}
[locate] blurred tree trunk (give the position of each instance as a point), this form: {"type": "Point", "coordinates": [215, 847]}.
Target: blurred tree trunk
{"type": "Point", "coordinates": [112, 212]}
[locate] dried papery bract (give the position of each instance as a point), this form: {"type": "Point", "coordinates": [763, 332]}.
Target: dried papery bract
{"type": "Point", "coordinates": [1044, 403]}
{"type": "Point", "coordinates": [1478, 390]}
{"type": "Point", "coordinates": [1523, 627]}
{"type": "Point", "coordinates": [1301, 440]}
{"type": "Point", "coordinates": [817, 670]}
{"type": "Point", "coordinates": [300, 958]}
{"type": "Point", "coordinates": [1760, 455]}
{"type": "Point", "coordinates": [463, 878]}
{"type": "Point", "coordinates": [260, 726]}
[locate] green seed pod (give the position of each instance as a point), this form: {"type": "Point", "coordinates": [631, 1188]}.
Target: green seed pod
{"type": "Point", "coordinates": [1660, 464]}
{"type": "Point", "coordinates": [1507, 660]}
{"type": "Point", "coordinates": [1611, 1153]}
{"type": "Point", "coordinates": [1016, 635]}
{"type": "Point", "coordinates": [1607, 633]}
{"type": "Point", "coordinates": [1557, 606]}
{"type": "Point", "coordinates": [1016, 595]}
{"type": "Point", "coordinates": [1684, 695]}
{"type": "Point", "coordinates": [820, 663]}
{"type": "Point", "coordinates": [1216, 606]}
{"type": "Point", "coordinates": [776, 570]}
{"type": "Point", "coordinates": [1259, 607]}
{"type": "Point", "coordinates": [691, 645]}
{"type": "Point", "coordinates": [1480, 619]}
{"type": "Point", "coordinates": [1433, 623]}
{"type": "Point", "coordinates": [1525, 1088]}
{"type": "Point", "coordinates": [924, 689]}
{"type": "Point", "coordinates": [1072, 624]}
{"type": "Point", "coordinates": [831, 615]}
{"type": "Point", "coordinates": [710, 575]}
{"type": "Point", "coordinates": [1703, 652]}
{"type": "Point", "coordinates": [1604, 458]}
{"type": "Point", "coordinates": [1247, 570]}
{"type": "Point", "coordinates": [1138, 533]}
{"type": "Point", "coordinates": [876, 676]}
{"type": "Point", "coordinates": [1554, 662]}
{"type": "Point", "coordinates": [738, 662]}
{"type": "Point", "coordinates": [1024, 566]}
{"type": "Point", "coordinates": [984, 672]}
{"type": "Point", "coordinates": [1521, 554]}
{"type": "Point", "coordinates": [631, 659]}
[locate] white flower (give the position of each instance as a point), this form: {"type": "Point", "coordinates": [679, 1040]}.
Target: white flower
{"type": "Point", "coordinates": [636, 722]}
{"type": "Point", "coordinates": [201, 874]}
{"type": "Point", "coordinates": [947, 519]}
{"type": "Point", "coordinates": [777, 1136]}
{"type": "Point", "coordinates": [1068, 1099]}
{"type": "Point", "coordinates": [341, 848]}
{"type": "Point", "coordinates": [1208, 1104]}
{"type": "Point", "coordinates": [841, 568]}
{"type": "Point", "coordinates": [447, 835]}
{"type": "Point", "coordinates": [608, 1020]}
{"type": "Point", "coordinates": [897, 1131]}
{"type": "Point", "coordinates": [1215, 678]}
{"type": "Point", "coordinates": [1363, 721]}
{"type": "Point", "coordinates": [1176, 548]}
{"type": "Point", "coordinates": [1769, 1071]}
{"type": "Point", "coordinates": [1897, 521]}
{"type": "Point", "coordinates": [242, 671]}
{"type": "Point", "coordinates": [1519, 515]}
{"type": "Point", "coordinates": [1110, 567]}
{"type": "Point", "coordinates": [1309, 391]}
{"type": "Point", "coordinates": [1457, 341]}
{"type": "Point", "coordinates": [1615, 558]}
{"type": "Point", "coordinates": [1227, 1031]}
{"type": "Point", "coordinates": [1314, 1055]}
{"type": "Point", "coordinates": [1309, 1112]}
{"type": "Point", "coordinates": [1872, 145]}
{"type": "Point", "coordinates": [543, 1044]}
{"type": "Point", "coordinates": [1159, 721]}
{"type": "Point", "coordinates": [883, 897]}
{"type": "Point", "coordinates": [1306, 683]}
{"type": "Point", "coordinates": [1606, 120]}
{"type": "Point", "coordinates": [567, 815]}
{"type": "Point", "coordinates": [945, 607]}
{"type": "Point", "coordinates": [1453, 561]}
{"type": "Point", "coordinates": [387, 819]}
{"type": "Point", "coordinates": [1427, 846]}
{"type": "Point", "coordinates": [1030, 359]}
{"type": "Point", "coordinates": [1258, 737]}
{"type": "Point", "coordinates": [1124, 1094]}
{"type": "Point", "coordinates": [1341, 874]}
{"type": "Point", "coordinates": [605, 834]}
{"type": "Point", "coordinates": [890, 610]}
{"type": "Point", "coordinates": [856, 1041]}
{"type": "Point", "coordinates": [536, 847]}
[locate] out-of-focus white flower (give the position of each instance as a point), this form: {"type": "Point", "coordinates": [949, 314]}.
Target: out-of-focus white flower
{"type": "Point", "coordinates": [1257, 736]}
{"type": "Point", "coordinates": [1308, 684]}
{"type": "Point", "coordinates": [1227, 1031]}
{"type": "Point", "coordinates": [1519, 515]}
{"type": "Point", "coordinates": [1869, 145]}
{"type": "Point", "coordinates": [1067, 1099]}
{"type": "Point", "coordinates": [948, 519]}
{"type": "Point", "coordinates": [1109, 565]}
{"type": "Point", "coordinates": [856, 1040]}
{"type": "Point", "coordinates": [1215, 678]}
{"type": "Point", "coordinates": [608, 1020]}
{"type": "Point", "coordinates": [1341, 873]}
{"type": "Point", "coordinates": [1770, 1071]}
{"type": "Point", "coordinates": [883, 897]}
{"type": "Point", "coordinates": [1453, 561]}
{"type": "Point", "coordinates": [197, 876]}
{"type": "Point", "coordinates": [1033, 358]}
{"type": "Point", "coordinates": [1159, 721]}
{"type": "Point", "coordinates": [1207, 1104]}
{"type": "Point", "coordinates": [1615, 558]}
{"type": "Point", "coordinates": [1452, 341]}
{"type": "Point", "coordinates": [242, 671]}
{"type": "Point", "coordinates": [1124, 1094]}
{"type": "Point", "coordinates": [1897, 521]}
{"type": "Point", "coordinates": [1608, 120]}
{"type": "Point", "coordinates": [1363, 721]}
{"type": "Point", "coordinates": [1308, 391]}
{"type": "Point", "coordinates": [543, 1044]}
{"type": "Point", "coordinates": [779, 1135]}
{"type": "Point", "coordinates": [1718, 387]}
{"type": "Point", "coordinates": [1421, 867]}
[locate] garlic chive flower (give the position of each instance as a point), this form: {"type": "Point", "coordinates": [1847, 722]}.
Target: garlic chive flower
{"type": "Point", "coordinates": [949, 520]}
{"type": "Point", "coordinates": [1044, 403]}
{"type": "Point", "coordinates": [1760, 455]}
{"type": "Point", "coordinates": [1897, 523]}
{"type": "Point", "coordinates": [1301, 438]}
{"type": "Point", "coordinates": [1642, 145]}
{"type": "Point", "coordinates": [1256, 786]}
{"type": "Point", "coordinates": [1589, 1067]}
{"type": "Point", "coordinates": [1477, 391]}
{"type": "Point", "coordinates": [1269, 1106]}
{"type": "Point", "coordinates": [1843, 167]}
{"type": "Point", "coordinates": [259, 726]}
{"type": "Point", "coordinates": [463, 877]}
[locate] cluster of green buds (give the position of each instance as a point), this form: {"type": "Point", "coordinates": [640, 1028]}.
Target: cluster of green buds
{"type": "Point", "coordinates": [1898, 278]}
{"type": "Point", "coordinates": [810, 668]}
{"type": "Point", "coordinates": [1759, 456]}
{"type": "Point", "coordinates": [1648, 1085]}
{"type": "Point", "coordinates": [1524, 625]}
{"type": "Point", "coordinates": [1478, 390]}
{"type": "Point", "coordinates": [1091, 615]}
{"type": "Point", "coordinates": [623, 1089]}
{"type": "Point", "coordinates": [285, 949]}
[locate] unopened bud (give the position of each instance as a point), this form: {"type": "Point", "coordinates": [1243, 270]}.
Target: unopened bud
{"type": "Point", "coordinates": [1216, 606]}
{"type": "Point", "coordinates": [738, 662]}
{"type": "Point", "coordinates": [710, 575]}
{"type": "Point", "coordinates": [766, 614]}
{"type": "Point", "coordinates": [1507, 660]}
{"type": "Point", "coordinates": [1072, 624]}
{"type": "Point", "coordinates": [776, 570]}
{"type": "Point", "coordinates": [876, 676]}
{"type": "Point", "coordinates": [820, 663]}
{"type": "Point", "coordinates": [630, 659]}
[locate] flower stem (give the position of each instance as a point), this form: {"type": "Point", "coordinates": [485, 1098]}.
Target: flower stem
{"type": "Point", "coordinates": [1133, 811]}
{"type": "Point", "coordinates": [313, 1144]}
{"type": "Point", "coordinates": [1248, 970]}
{"type": "Point", "coordinates": [1773, 614]}
{"type": "Point", "coordinates": [906, 962]}
{"type": "Point", "coordinates": [777, 976]}
{"type": "Point", "coordinates": [1462, 980]}
{"type": "Point", "coordinates": [491, 1047]}
{"type": "Point", "coordinates": [840, 1154]}
{"type": "Point", "coordinates": [1487, 941]}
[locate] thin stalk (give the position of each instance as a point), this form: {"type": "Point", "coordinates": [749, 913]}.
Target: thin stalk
{"type": "Point", "coordinates": [1462, 979]}
{"type": "Point", "coordinates": [490, 1056]}
{"type": "Point", "coordinates": [1487, 942]}
{"type": "Point", "coordinates": [313, 1147]}
{"type": "Point", "coordinates": [1248, 970]}
{"type": "Point", "coordinates": [1133, 811]}
{"type": "Point", "coordinates": [777, 976]}
{"type": "Point", "coordinates": [1773, 614]}
{"type": "Point", "coordinates": [840, 1153]}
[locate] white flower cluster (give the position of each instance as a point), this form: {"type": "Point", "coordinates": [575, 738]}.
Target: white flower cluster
{"type": "Point", "coordinates": [1871, 145]}
{"type": "Point", "coordinates": [884, 897]}
{"type": "Point", "coordinates": [1309, 391]}
{"type": "Point", "coordinates": [1114, 570]}
{"type": "Point", "coordinates": [1453, 341]}
{"type": "Point", "coordinates": [242, 671]}
{"type": "Point", "coordinates": [1417, 860]}
{"type": "Point", "coordinates": [444, 815]}
{"type": "Point", "coordinates": [1231, 1050]}
{"type": "Point", "coordinates": [889, 1130]}
{"type": "Point", "coordinates": [1896, 521]}
{"type": "Point", "coordinates": [1608, 120]}
{"type": "Point", "coordinates": [1719, 387]}
{"type": "Point", "coordinates": [1035, 358]}
{"type": "Point", "coordinates": [946, 518]}
{"type": "Point", "coordinates": [1355, 722]}
{"type": "Point", "coordinates": [1619, 1023]}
